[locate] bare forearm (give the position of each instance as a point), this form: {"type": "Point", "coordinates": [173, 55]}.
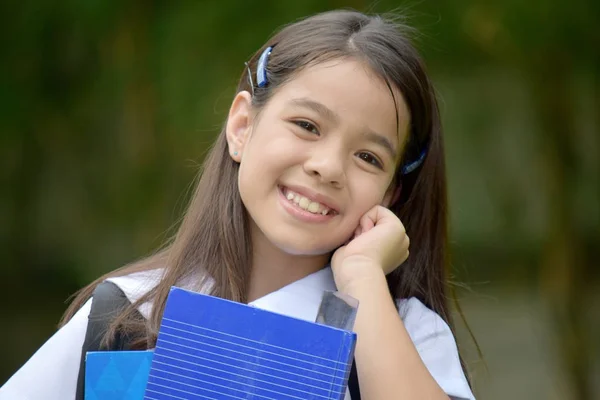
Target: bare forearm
{"type": "Point", "coordinates": [389, 366]}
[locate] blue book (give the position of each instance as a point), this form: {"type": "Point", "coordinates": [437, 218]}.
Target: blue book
{"type": "Point", "coordinates": [116, 375]}
{"type": "Point", "coordinates": [210, 348]}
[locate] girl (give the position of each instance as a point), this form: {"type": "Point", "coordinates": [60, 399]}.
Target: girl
{"type": "Point", "coordinates": [330, 158]}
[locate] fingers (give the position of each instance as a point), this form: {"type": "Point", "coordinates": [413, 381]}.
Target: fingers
{"type": "Point", "coordinates": [376, 216]}
{"type": "Point", "coordinates": [358, 231]}
{"type": "Point", "coordinates": [405, 247]}
{"type": "Point", "coordinates": [364, 226]}
{"type": "Point", "coordinates": [368, 221]}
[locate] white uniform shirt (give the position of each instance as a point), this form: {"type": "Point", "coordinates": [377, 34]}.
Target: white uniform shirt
{"type": "Point", "coordinates": [51, 373]}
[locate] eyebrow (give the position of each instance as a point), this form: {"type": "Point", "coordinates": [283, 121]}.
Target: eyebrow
{"type": "Point", "coordinates": [329, 114]}
{"type": "Point", "coordinates": [317, 107]}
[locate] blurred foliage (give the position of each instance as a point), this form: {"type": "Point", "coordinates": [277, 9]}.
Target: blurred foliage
{"type": "Point", "coordinates": [106, 108]}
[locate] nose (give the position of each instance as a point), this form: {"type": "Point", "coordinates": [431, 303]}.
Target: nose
{"type": "Point", "coordinates": [326, 163]}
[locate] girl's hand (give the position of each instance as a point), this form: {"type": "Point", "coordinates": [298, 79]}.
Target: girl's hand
{"type": "Point", "coordinates": [379, 245]}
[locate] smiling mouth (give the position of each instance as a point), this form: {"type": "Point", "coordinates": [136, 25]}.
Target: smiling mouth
{"type": "Point", "coordinates": [305, 203]}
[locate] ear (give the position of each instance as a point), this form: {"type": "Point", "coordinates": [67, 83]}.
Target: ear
{"type": "Point", "coordinates": [238, 125]}
{"type": "Point", "coordinates": [392, 195]}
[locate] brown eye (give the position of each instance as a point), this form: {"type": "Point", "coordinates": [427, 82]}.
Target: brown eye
{"type": "Point", "coordinates": [307, 126]}
{"type": "Point", "coordinates": [371, 159]}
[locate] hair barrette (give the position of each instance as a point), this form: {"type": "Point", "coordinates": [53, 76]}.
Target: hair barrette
{"type": "Point", "coordinates": [261, 70]}
{"type": "Point", "coordinates": [408, 168]}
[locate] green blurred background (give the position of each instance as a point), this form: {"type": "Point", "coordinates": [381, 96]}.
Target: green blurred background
{"type": "Point", "coordinates": [107, 107]}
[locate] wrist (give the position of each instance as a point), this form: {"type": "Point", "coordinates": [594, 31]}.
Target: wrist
{"type": "Point", "coordinates": [358, 278]}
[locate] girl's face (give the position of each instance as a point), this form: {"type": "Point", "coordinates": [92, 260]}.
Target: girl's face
{"type": "Point", "coordinates": [320, 154]}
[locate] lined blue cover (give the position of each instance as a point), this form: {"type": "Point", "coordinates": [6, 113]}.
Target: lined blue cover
{"type": "Point", "coordinates": [116, 375]}
{"type": "Point", "coordinates": [210, 348]}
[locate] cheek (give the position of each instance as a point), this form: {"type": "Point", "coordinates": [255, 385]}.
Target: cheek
{"type": "Point", "coordinates": [270, 147]}
{"type": "Point", "coordinates": [265, 160]}
{"type": "Point", "coordinates": [368, 194]}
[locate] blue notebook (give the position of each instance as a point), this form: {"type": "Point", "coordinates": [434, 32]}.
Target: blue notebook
{"type": "Point", "coordinates": [116, 375]}
{"type": "Point", "coordinates": [210, 348]}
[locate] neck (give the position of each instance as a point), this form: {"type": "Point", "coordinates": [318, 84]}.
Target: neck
{"type": "Point", "coordinates": [272, 268]}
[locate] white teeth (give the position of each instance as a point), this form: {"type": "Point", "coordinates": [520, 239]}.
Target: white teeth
{"type": "Point", "coordinates": [306, 204]}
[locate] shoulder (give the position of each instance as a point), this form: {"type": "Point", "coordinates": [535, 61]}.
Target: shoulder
{"type": "Point", "coordinates": [436, 345]}
{"type": "Point", "coordinates": [136, 285]}
{"type": "Point", "coordinates": [139, 283]}
{"type": "Point", "coordinates": [421, 322]}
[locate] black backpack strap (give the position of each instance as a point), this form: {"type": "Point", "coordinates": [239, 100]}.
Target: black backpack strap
{"type": "Point", "coordinates": [107, 301]}
{"type": "Point", "coordinates": [353, 383]}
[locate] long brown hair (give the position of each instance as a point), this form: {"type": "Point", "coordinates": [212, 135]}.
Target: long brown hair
{"type": "Point", "coordinates": [214, 234]}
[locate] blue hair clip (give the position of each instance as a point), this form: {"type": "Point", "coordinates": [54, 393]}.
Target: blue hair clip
{"type": "Point", "coordinates": [408, 168]}
{"type": "Point", "coordinates": [261, 68]}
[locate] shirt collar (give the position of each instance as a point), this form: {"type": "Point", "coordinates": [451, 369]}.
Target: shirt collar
{"type": "Point", "coordinates": [300, 299]}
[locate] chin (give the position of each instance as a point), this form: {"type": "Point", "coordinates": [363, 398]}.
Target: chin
{"type": "Point", "coordinates": [303, 249]}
